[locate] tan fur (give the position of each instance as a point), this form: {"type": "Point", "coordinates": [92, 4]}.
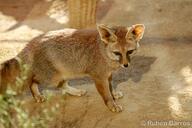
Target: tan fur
{"type": "Point", "coordinates": [8, 72]}
{"type": "Point", "coordinates": [65, 54]}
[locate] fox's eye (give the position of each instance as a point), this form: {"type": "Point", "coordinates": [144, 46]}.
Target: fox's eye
{"type": "Point", "coordinates": [130, 52]}
{"type": "Point", "coordinates": [117, 53]}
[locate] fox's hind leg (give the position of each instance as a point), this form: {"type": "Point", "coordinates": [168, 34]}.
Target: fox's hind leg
{"type": "Point", "coordinates": [35, 92]}
{"type": "Point", "coordinates": [71, 90]}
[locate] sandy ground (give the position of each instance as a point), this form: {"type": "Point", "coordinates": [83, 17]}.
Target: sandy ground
{"type": "Point", "coordinates": [158, 86]}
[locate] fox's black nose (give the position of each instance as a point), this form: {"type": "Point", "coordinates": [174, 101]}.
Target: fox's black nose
{"type": "Point", "coordinates": [125, 65]}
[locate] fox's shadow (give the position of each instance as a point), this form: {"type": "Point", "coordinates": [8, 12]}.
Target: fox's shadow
{"type": "Point", "coordinates": [139, 66]}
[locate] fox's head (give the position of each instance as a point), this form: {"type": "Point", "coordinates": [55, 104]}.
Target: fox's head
{"type": "Point", "coordinates": [121, 42]}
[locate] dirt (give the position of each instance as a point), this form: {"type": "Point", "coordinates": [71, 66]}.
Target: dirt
{"type": "Point", "coordinates": [157, 87]}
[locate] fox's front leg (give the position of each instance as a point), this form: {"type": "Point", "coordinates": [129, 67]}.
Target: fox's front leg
{"type": "Point", "coordinates": [103, 88]}
{"type": "Point", "coordinates": [115, 94]}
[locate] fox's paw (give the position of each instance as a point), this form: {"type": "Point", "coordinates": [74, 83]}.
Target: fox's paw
{"type": "Point", "coordinates": [75, 91]}
{"type": "Point", "coordinates": [40, 98]}
{"type": "Point", "coordinates": [114, 107]}
{"type": "Point", "coordinates": [117, 94]}
{"type": "Point", "coordinates": [81, 92]}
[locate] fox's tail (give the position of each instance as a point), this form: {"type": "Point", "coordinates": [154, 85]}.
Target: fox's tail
{"type": "Point", "coordinates": [9, 70]}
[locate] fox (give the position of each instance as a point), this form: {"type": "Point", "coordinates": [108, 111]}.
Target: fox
{"type": "Point", "coordinates": [58, 56]}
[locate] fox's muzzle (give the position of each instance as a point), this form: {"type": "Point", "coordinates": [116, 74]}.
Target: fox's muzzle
{"type": "Point", "coordinates": [125, 61]}
{"type": "Point", "coordinates": [125, 65]}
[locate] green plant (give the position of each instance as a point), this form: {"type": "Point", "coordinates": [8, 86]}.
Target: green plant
{"type": "Point", "coordinates": [13, 114]}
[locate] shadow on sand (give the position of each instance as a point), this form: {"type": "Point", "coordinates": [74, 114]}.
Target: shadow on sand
{"type": "Point", "coordinates": [139, 66]}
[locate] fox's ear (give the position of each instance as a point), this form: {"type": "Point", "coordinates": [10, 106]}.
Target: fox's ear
{"type": "Point", "coordinates": [106, 34]}
{"type": "Point", "coordinates": [136, 31]}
